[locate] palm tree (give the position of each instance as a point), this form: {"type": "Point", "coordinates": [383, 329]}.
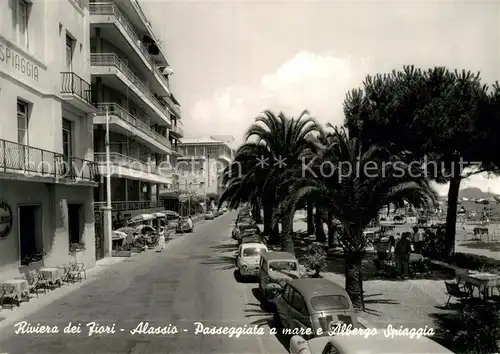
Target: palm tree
{"type": "Point", "coordinates": [273, 146]}
{"type": "Point", "coordinates": [354, 184]}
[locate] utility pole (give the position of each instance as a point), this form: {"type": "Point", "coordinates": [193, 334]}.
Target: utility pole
{"type": "Point", "coordinates": [208, 183]}
{"type": "Point", "coordinates": [108, 219]}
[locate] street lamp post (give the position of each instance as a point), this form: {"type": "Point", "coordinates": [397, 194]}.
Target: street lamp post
{"type": "Point", "coordinates": [108, 220]}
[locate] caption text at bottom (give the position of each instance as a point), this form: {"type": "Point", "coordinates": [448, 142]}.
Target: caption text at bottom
{"type": "Point", "coordinates": [144, 328]}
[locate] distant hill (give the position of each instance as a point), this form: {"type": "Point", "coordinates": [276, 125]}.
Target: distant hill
{"type": "Point", "coordinates": [473, 192]}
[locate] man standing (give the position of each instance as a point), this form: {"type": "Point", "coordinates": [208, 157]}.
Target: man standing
{"type": "Point", "coordinates": [402, 252]}
{"type": "Point", "coordinates": [418, 240]}
{"type": "Point", "coordinates": [190, 223]}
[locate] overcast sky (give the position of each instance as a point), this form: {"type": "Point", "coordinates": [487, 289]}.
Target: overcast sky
{"type": "Point", "coordinates": [233, 59]}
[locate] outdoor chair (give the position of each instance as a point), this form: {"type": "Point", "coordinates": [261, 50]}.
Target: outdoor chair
{"type": "Point", "coordinates": [7, 293]}
{"type": "Point", "coordinates": [36, 282]}
{"type": "Point", "coordinates": [65, 269]}
{"type": "Point", "coordinates": [461, 275]}
{"type": "Point", "coordinates": [76, 272]}
{"type": "Point", "coordinates": [454, 290]}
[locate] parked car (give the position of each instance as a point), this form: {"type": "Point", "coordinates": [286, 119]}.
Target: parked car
{"type": "Point", "coordinates": [249, 232]}
{"type": "Point", "coordinates": [240, 228]}
{"type": "Point", "coordinates": [276, 268]}
{"type": "Point", "coordinates": [251, 237]}
{"type": "Point", "coordinates": [183, 226]}
{"type": "Point", "coordinates": [314, 303]}
{"type": "Point", "coordinates": [209, 216]}
{"type": "Point", "coordinates": [224, 209]}
{"type": "Point", "coordinates": [248, 258]}
{"type": "Point", "coordinates": [374, 344]}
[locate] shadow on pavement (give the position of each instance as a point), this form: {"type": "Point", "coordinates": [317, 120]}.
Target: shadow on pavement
{"type": "Point", "coordinates": [369, 299]}
{"type": "Point", "coordinates": [223, 262]}
{"type": "Point", "coordinates": [241, 279]}
{"type": "Point", "coordinates": [225, 247]}
{"type": "Point", "coordinates": [265, 315]}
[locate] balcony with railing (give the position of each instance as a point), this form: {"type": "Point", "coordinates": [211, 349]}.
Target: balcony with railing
{"type": "Point", "coordinates": [76, 91]}
{"type": "Point", "coordinates": [102, 65]}
{"type": "Point", "coordinates": [177, 128]}
{"type": "Point", "coordinates": [121, 121]}
{"type": "Point", "coordinates": [101, 13]}
{"type": "Point", "coordinates": [131, 205]}
{"type": "Point", "coordinates": [129, 167]}
{"type": "Point", "coordinates": [24, 162]}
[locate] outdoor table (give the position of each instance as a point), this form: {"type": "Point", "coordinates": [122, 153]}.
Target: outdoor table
{"type": "Point", "coordinates": [416, 257]}
{"type": "Point", "coordinates": [21, 287]}
{"type": "Point", "coordinates": [482, 281]}
{"type": "Point", "coordinates": [52, 275]}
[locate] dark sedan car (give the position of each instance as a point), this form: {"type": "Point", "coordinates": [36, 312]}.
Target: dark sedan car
{"type": "Point", "coordinates": [314, 303]}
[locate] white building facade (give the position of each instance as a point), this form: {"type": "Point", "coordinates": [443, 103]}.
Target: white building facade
{"type": "Point", "coordinates": [47, 173]}
{"type": "Point", "coordinates": [201, 165]}
{"type": "Point", "coordinates": [130, 77]}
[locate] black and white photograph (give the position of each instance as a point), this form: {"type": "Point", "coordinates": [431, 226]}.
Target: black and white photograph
{"type": "Point", "coordinates": [249, 177]}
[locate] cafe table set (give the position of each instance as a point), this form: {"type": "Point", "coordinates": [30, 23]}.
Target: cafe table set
{"type": "Point", "coordinates": [19, 289]}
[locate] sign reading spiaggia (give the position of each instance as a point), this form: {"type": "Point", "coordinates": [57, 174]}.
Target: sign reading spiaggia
{"type": "Point", "coordinates": [13, 60]}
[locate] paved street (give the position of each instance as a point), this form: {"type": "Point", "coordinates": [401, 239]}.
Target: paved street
{"type": "Point", "coordinates": [191, 281]}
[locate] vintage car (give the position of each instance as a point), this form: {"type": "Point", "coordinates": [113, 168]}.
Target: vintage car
{"type": "Point", "coordinates": [241, 228]}
{"type": "Point", "coordinates": [374, 344]}
{"type": "Point", "coordinates": [248, 258]}
{"type": "Point", "coordinates": [275, 269]}
{"type": "Point", "coordinates": [314, 303]}
{"type": "Point", "coordinates": [183, 226]}
{"type": "Point", "coordinates": [252, 237]}
{"type": "Point", "coordinates": [209, 215]}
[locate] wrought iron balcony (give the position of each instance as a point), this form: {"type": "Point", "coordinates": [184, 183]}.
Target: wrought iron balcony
{"type": "Point", "coordinates": [76, 90]}
{"type": "Point", "coordinates": [110, 9]}
{"type": "Point", "coordinates": [177, 128]}
{"type": "Point", "coordinates": [32, 162]}
{"type": "Point", "coordinates": [111, 59]}
{"type": "Point", "coordinates": [118, 111]}
{"type": "Point", "coordinates": [130, 205]}
{"type": "Point", "coordinates": [135, 164]}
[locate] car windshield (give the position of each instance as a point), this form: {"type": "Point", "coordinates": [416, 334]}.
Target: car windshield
{"type": "Point", "coordinates": [283, 265]}
{"type": "Point", "coordinates": [253, 251]}
{"type": "Point", "coordinates": [329, 302]}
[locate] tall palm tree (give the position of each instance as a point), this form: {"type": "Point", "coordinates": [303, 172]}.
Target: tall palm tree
{"type": "Point", "coordinates": [354, 184]}
{"type": "Point", "coordinates": [274, 143]}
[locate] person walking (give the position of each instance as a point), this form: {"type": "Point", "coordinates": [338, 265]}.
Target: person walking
{"type": "Point", "coordinates": [190, 223]}
{"type": "Point", "coordinates": [418, 240]}
{"type": "Point", "coordinates": [402, 252]}
{"type": "Point", "coordinates": [160, 246]}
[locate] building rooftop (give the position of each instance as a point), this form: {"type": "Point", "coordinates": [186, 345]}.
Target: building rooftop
{"type": "Point", "coordinates": [207, 140]}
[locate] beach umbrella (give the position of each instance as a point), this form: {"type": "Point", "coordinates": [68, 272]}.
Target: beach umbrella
{"type": "Point", "coordinates": [141, 217]}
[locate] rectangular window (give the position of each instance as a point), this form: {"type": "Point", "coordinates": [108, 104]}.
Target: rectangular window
{"type": "Point", "coordinates": [20, 17]}
{"type": "Point", "coordinates": [69, 53]}
{"type": "Point", "coordinates": [22, 122]}
{"type": "Point", "coordinates": [67, 138]}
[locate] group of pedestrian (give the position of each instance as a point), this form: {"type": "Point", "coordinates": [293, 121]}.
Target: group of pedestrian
{"type": "Point", "coordinates": [408, 243]}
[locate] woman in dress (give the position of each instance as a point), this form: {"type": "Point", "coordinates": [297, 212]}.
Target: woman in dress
{"type": "Point", "coordinates": [161, 241]}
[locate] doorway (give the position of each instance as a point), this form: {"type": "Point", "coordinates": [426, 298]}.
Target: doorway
{"type": "Point", "coordinates": [75, 223]}
{"type": "Point", "coordinates": [30, 231]}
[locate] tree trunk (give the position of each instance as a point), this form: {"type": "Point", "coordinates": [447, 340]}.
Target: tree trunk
{"type": "Point", "coordinates": [451, 214]}
{"type": "Point", "coordinates": [287, 233]}
{"type": "Point", "coordinates": [320, 231]}
{"type": "Point", "coordinates": [257, 214]}
{"type": "Point", "coordinates": [310, 218]}
{"type": "Point", "coordinates": [354, 278]}
{"type": "Point", "coordinates": [331, 230]}
{"type": "Point", "coordinates": [268, 214]}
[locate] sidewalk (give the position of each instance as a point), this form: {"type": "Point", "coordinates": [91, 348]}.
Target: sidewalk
{"type": "Point", "coordinates": [8, 316]}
